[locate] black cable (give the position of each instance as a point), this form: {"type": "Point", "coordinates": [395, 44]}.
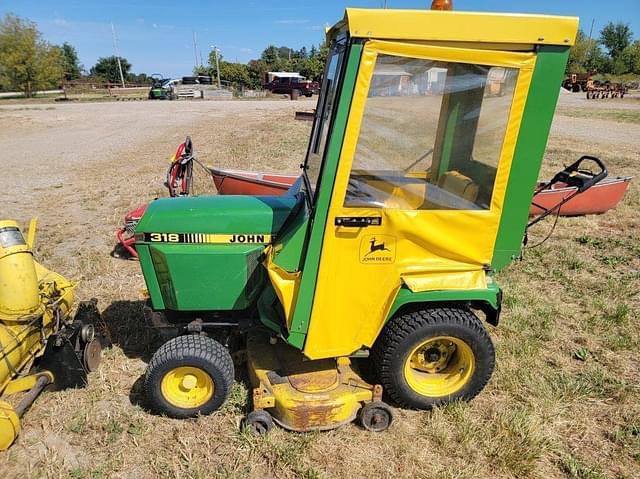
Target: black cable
{"type": "Point", "coordinates": [553, 227]}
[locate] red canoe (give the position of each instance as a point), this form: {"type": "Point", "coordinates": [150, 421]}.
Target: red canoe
{"type": "Point", "coordinates": [237, 182]}
{"type": "Point", "coordinates": [596, 200]}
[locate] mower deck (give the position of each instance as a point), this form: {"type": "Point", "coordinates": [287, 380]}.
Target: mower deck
{"type": "Point", "coordinates": [302, 394]}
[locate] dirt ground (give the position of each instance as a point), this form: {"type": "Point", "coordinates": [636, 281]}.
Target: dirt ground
{"type": "Point", "coordinates": [545, 413]}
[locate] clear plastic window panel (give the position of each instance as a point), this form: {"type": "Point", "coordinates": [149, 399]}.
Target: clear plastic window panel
{"type": "Point", "coordinates": [326, 104]}
{"type": "Point", "coordinates": [431, 135]}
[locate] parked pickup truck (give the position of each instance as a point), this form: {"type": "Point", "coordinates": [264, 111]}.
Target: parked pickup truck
{"type": "Point", "coordinates": [294, 86]}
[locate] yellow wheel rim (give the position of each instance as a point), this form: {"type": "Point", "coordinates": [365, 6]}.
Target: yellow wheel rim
{"type": "Point", "coordinates": [187, 387]}
{"type": "Point", "coordinates": [439, 366]}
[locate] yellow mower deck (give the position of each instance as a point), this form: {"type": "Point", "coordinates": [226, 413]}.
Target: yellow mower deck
{"type": "Point", "coordinates": [302, 394]}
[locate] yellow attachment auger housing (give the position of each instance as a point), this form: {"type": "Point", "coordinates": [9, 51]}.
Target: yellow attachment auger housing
{"type": "Point", "coordinates": [40, 344]}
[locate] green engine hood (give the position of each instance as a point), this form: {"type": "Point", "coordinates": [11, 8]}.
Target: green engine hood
{"type": "Point", "coordinates": [217, 214]}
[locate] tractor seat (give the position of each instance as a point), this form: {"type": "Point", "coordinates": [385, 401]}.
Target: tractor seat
{"type": "Point", "coordinates": [460, 185]}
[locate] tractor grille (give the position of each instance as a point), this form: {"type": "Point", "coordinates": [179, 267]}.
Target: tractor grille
{"type": "Point", "coordinates": [130, 226]}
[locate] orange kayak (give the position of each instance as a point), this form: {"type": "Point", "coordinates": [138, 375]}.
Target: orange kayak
{"type": "Point", "coordinates": [238, 182]}
{"type": "Point", "coordinates": [601, 197]}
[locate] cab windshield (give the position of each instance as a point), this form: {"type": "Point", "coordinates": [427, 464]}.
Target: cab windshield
{"type": "Point", "coordinates": [324, 112]}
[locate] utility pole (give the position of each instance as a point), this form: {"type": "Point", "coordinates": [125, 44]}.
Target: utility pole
{"type": "Point", "coordinates": [590, 50]}
{"type": "Point", "coordinates": [195, 49]}
{"type": "Point", "coordinates": [591, 29]}
{"type": "Point", "coordinates": [215, 53]}
{"type": "Point", "coordinates": [115, 47]}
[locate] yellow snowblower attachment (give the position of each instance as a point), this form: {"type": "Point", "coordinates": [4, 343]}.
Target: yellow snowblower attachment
{"type": "Point", "coordinates": [40, 345]}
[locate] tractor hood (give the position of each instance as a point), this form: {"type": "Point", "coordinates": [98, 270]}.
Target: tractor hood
{"type": "Point", "coordinates": [228, 215]}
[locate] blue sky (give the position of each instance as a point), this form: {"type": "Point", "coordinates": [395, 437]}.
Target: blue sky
{"type": "Point", "coordinates": [156, 36]}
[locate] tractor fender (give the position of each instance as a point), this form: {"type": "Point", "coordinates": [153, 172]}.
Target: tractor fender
{"type": "Point", "coordinates": [488, 300]}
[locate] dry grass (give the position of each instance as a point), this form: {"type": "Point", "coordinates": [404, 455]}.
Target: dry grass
{"type": "Point", "coordinates": [612, 113]}
{"type": "Point", "coordinates": [564, 401]}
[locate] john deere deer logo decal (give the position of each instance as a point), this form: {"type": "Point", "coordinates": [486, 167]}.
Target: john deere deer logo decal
{"type": "Point", "coordinates": [377, 249]}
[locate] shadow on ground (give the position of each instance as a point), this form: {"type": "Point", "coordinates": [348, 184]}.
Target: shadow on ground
{"type": "Point", "coordinates": [136, 395]}
{"type": "Point", "coordinates": [123, 325]}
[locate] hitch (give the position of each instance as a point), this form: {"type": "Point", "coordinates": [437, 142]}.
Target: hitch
{"type": "Point", "coordinates": [74, 351]}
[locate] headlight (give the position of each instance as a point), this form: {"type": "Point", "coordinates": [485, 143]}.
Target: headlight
{"type": "Point", "coordinates": [11, 236]}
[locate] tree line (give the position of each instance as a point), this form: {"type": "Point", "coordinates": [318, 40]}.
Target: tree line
{"type": "Point", "coordinates": [621, 54]}
{"type": "Point", "coordinates": [28, 63]}
{"type": "Point", "coordinates": [308, 62]}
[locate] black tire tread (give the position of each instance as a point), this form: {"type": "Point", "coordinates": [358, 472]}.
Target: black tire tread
{"type": "Point", "coordinates": [189, 347]}
{"type": "Point", "coordinates": [400, 327]}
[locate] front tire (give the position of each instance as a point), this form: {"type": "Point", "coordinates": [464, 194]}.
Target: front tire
{"type": "Point", "coordinates": [433, 356]}
{"type": "Point", "coordinates": [187, 376]}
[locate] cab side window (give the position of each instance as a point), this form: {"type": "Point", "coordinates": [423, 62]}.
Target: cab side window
{"type": "Point", "coordinates": [431, 135]}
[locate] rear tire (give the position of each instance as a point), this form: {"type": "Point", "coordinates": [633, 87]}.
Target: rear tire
{"type": "Point", "coordinates": [187, 376]}
{"type": "Point", "coordinates": [433, 356]}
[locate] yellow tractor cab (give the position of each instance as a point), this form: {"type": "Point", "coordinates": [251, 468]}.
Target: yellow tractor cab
{"type": "Point", "coordinates": [426, 145]}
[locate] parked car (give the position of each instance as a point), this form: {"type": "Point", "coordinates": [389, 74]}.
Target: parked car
{"type": "Point", "coordinates": [293, 86]}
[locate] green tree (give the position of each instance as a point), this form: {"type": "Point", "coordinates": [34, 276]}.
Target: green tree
{"type": "Point", "coordinates": [323, 53]}
{"type": "Point", "coordinates": [586, 56]}
{"type": "Point", "coordinates": [630, 58]}
{"type": "Point", "coordinates": [311, 68]}
{"type": "Point", "coordinates": [616, 37]}
{"type": "Point", "coordinates": [285, 53]}
{"type": "Point", "coordinates": [578, 54]}
{"type": "Point", "coordinates": [139, 78]}
{"type": "Point", "coordinates": [236, 73]}
{"type": "Point", "coordinates": [270, 55]}
{"type": "Point", "coordinates": [27, 62]}
{"type": "Point", "coordinates": [71, 64]}
{"type": "Point", "coordinates": [309, 63]}
{"type": "Point", "coordinates": [106, 68]}
{"type": "Point", "coordinates": [257, 70]}
{"type": "Point", "coordinates": [202, 70]}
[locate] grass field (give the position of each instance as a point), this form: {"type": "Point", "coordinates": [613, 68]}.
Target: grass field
{"type": "Point", "coordinates": [564, 401]}
{"type": "Point", "coordinates": [623, 116]}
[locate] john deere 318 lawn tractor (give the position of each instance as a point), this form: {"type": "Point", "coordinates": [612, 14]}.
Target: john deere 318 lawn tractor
{"type": "Point", "coordinates": [415, 190]}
